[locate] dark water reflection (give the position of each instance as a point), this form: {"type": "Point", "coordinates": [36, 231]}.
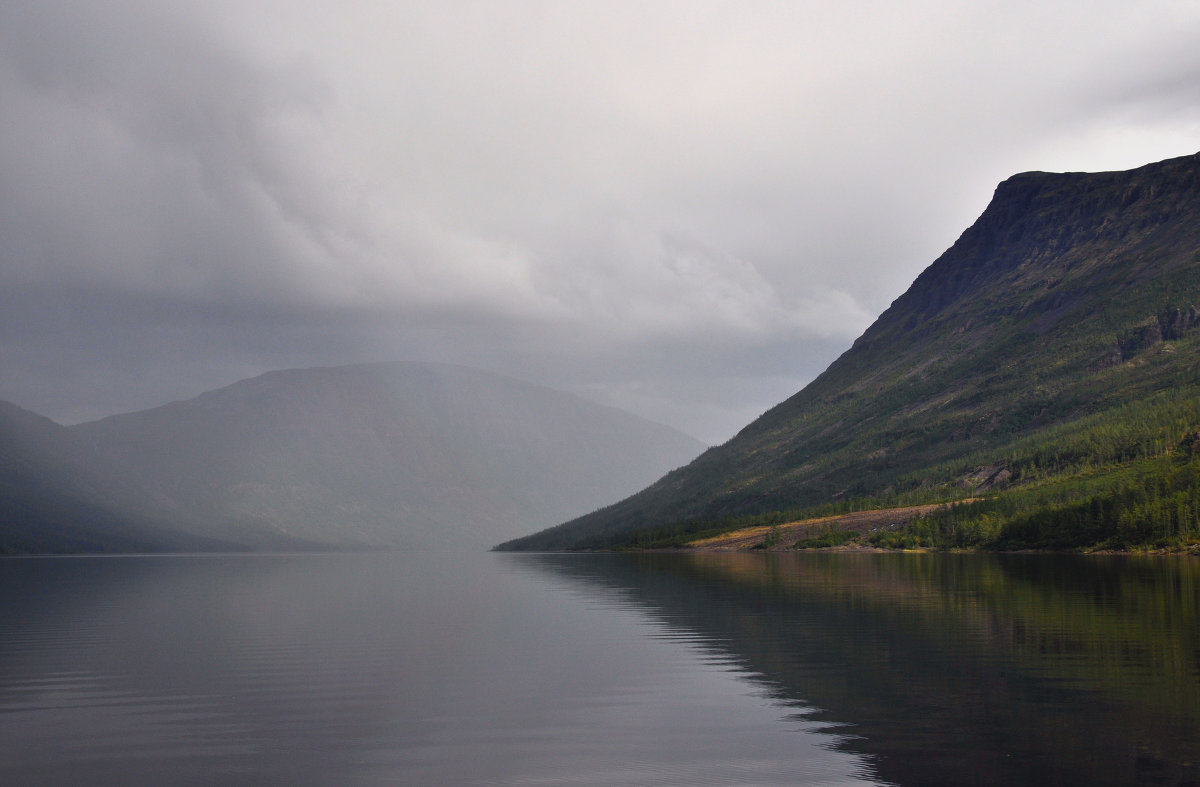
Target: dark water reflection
{"type": "Point", "coordinates": [373, 669]}
{"type": "Point", "coordinates": [953, 669]}
{"type": "Point", "coordinates": [600, 669]}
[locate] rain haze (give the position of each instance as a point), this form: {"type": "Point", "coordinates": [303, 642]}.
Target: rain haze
{"type": "Point", "coordinates": [686, 210]}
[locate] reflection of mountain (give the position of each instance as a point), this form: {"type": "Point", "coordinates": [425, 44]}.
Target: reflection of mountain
{"type": "Point", "coordinates": [954, 669]}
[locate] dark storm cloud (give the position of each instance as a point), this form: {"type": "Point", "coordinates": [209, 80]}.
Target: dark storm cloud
{"type": "Point", "coordinates": [687, 209]}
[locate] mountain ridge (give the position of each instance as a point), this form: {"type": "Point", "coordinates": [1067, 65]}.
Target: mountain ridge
{"type": "Point", "coordinates": [393, 455]}
{"type": "Point", "coordinates": [57, 495]}
{"type": "Point", "coordinates": [1042, 312]}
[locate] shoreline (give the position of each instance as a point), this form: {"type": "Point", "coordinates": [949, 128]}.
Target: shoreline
{"type": "Point", "coordinates": [787, 537]}
{"type": "Point", "coordinates": [789, 534]}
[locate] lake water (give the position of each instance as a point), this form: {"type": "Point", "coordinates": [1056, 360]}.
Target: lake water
{"type": "Point", "coordinates": [444, 668]}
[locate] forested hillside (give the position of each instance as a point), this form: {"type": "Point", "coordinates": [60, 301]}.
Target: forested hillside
{"type": "Point", "coordinates": [1048, 364]}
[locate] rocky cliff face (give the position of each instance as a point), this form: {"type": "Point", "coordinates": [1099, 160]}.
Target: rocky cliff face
{"type": "Point", "coordinates": [1171, 325]}
{"type": "Point", "coordinates": [1053, 306]}
{"type": "Point", "coordinates": [1049, 249]}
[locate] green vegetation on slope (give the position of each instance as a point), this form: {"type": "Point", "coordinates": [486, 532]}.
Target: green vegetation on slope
{"type": "Point", "coordinates": [1049, 360]}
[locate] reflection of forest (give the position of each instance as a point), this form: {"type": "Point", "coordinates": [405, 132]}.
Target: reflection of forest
{"type": "Point", "coordinates": [955, 669]}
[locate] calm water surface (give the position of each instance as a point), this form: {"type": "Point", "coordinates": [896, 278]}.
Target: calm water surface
{"type": "Point", "coordinates": [443, 668]}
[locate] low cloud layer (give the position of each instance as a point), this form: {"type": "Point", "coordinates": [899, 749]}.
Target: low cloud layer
{"type": "Point", "coordinates": [686, 209]}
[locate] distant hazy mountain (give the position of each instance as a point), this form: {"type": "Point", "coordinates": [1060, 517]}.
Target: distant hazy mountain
{"type": "Point", "coordinates": [403, 455]}
{"type": "Point", "coordinates": [1049, 361]}
{"type": "Point", "coordinates": [58, 494]}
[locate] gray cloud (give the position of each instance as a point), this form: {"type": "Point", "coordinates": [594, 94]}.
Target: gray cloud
{"type": "Point", "coordinates": [687, 209]}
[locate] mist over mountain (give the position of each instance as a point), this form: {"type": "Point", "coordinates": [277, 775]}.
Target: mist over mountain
{"type": "Point", "coordinates": [59, 494]}
{"type": "Point", "coordinates": [382, 455]}
{"type": "Point", "coordinates": [1051, 351]}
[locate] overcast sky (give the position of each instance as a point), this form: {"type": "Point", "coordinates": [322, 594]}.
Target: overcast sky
{"type": "Point", "coordinates": [683, 209]}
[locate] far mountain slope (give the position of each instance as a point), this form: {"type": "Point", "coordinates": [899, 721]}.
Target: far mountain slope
{"type": "Point", "coordinates": [1054, 342]}
{"type": "Point", "coordinates": [396, 455]}
{"type": "Point", "coordinates": [57, 494]}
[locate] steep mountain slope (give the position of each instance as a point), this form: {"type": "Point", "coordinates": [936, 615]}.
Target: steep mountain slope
{"type": "Point", "coordinates": [59, 495]}
{"type": "Point", "coordinates": [1054, 341]}
{"type": "Point", "coordinates": [408, 455]}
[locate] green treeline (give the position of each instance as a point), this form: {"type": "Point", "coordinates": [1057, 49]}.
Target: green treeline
{"type": "Point", "coordinates": [1127, 478]}
{"type": "Point", "coordinates": [1149, 504]}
